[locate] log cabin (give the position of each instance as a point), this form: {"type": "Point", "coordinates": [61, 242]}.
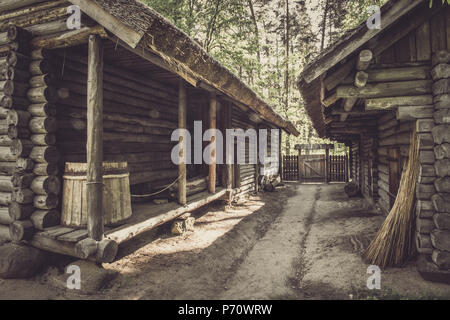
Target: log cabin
{"type": "Point", "coordinates": [90, 94]}
{"type": "Point", "coordinates": [371, 90]}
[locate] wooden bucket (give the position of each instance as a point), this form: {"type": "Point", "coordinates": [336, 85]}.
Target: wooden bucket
{"type": "Point", "coordinates": [116, 194]}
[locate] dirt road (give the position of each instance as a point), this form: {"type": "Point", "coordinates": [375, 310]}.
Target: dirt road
{"type": "Point", "coordinates": [300, 242]}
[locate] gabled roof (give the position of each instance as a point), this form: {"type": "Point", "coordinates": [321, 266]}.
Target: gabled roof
{"type": "Point", "coordinates": [142, 28]}
{"type": "Point", "coordinates": [309, 81]}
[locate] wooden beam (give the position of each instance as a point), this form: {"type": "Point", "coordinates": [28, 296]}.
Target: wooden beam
{"type": "Point", "coordinates": [334, 79]}
{"type": "Point", "coordinates": [182, 106]}
{"type": "Point", "coordinates": [387, 89]}
{"type": "Point", "coordinates": [331, 58]}
{"type": "Point", "coordinates": [67, 39]}
{"type": "Point", "coordinates": [125, 33]}
{"type": "Point", "coordinates": [393, 102]}
{"type": "Point", "coordinates": [212, 125]}
{"type": "Point", "coordinates": [229, 159]}
{"type": "Point", "coordinates": [415, 112]}
{"type": "Point", "coordinates": [398, 74]}
{"type": "Point", "coordinates": [364, 59]}
{"type": "Point", "coordinates": [95, 138]}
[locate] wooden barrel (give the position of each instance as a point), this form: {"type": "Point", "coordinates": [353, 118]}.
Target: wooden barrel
{"type": "Point", "coordinates": [116, 194]}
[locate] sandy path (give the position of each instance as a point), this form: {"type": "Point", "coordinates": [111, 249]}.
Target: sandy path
{"type": "Point", "coordinates": [300, 242]}
{"type": "Point", "coordinates": [268, 270]}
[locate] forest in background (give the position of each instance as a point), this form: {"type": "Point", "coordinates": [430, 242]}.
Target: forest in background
{"type": "Point", "coordinates": [267, 43]}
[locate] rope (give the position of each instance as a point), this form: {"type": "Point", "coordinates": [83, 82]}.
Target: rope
{"type": "Point", "coordinates": [155, 193]}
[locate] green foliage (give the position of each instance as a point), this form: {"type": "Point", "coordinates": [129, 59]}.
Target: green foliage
{"type": "Point", "coordinates": [252, 43]}
{"type": "Point", "coordinates": [443, 2]}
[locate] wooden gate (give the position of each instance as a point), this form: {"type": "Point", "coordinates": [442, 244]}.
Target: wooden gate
{"type": "Point", "coordinates": [312, 168]}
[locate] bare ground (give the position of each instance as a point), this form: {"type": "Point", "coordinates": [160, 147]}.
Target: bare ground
{"type": "Point", "coordinates": [300, 242]}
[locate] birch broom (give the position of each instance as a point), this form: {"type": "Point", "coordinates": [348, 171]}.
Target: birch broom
{"type": "Point", "coordinates": [394, 244]}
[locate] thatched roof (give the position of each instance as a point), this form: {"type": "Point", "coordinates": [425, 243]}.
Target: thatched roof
{"type": "Point", "coordinates": [174, 46]}
{"type": "Point", "coordinates": [309, 81]}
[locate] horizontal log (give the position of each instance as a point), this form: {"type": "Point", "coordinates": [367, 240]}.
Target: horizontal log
{"type": "Point", "coordinates": [441, 134]}
{"type": "Point", "coordinates": [41, 95]}
{"type": "Point", "coordinates": [415, 112]}
{"type": "Point", "coordinates": [39, 67]}
{"type": "Point", "coordinates": [21, 148]}
{"type": "Point", "coordinates": [398, 74]}
{"type": "Point", "coordinates": [442, 151]}
{"type": "Point", "coordinates": [442, 167]}
{"type": "Point", "coordinates": [426, 157]}
{"type": "Point", "coordinates": [19, 211]}
{"type": "Point", "coordinates": [425, 141]}
{"type": "Point", "coordinates": [441, 71]}
{"type": "Point", "coordinates": [44, 154]}
{"type": "Point", "coordinates": [42, 110]}
{"type": "Point", "coordinates": [441, 240]}
{"type": "Point", "coordinates": [45, 202]}
{"type": "Point", "coordinates": [440, 56]}
{"type": "Point", "coordinates": [441, 87]}
{"type": "Point", "coordinates": [424, 125]}
{"type": "Point", "coordinates": [441, 203]}
{"type": "Point", "coordinates": [425, 191]}
{"type": "Point", "coordinates": [424, 226]}
{"type": "Point", "coordinates": [6, 184]}
{"type": "Point", "coordinates": [44, 185]}
{"type": "Point", "coordinates": [45, 169]}
{"type": "Point", "coordinates": [441, 259]}
{"type": "Point", "coordinates": [5, 219]}
{"type": "Point", "coordinates": [5, 198]}
{"type": "Point", "coordinates": [43, 125]}
{"type": "Point", "coordinates": [18, 118]}
{"type": "Point", "coordinates": [67, 38]}
{"type": "Point", "coordinates": [442, 101]}
{"type": "Point", "coordinates": [43, 219]}
{"type": "Point", "coordinates": [22, 196]}
{"type": "Point", "coordinates": [22, 179]}
{"type": "Point", "coordinates": [393, 102]}
{"type": "Point", "coordinates": [7, 168]}
{"type": "Point", "coordinates": [6, 155]}
{"type": "Point", "coordinates": [388, 89]}
{"type": "Point", "coordinates": [24, 164]}
{"type": "Point", "coordinates": [48, 139]}
{"type": "Point", "coordinates": [442, 221]}
{"type": "Point", "coordinates": [423, 243]}
{"type": "Point", "coordinates": [442, 116]}
{"type": "Point", "coordinates": [21, 230]}
{"type": "Point", "coordinates": [442, 184]}
{"type": "Point", "coordinates": [424, 209]}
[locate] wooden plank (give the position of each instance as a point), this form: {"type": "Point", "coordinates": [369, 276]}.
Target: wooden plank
{"type": "Point", "coordinates": [147, 219]}
{"type": "Point", "coordinates": [95, 139]}
{"type": "Point", "coordinates": [423, 42]}
{"type": "Point", "coordinates": [55, 232]}
{"type": "Point", "coordinates": [73, 236]}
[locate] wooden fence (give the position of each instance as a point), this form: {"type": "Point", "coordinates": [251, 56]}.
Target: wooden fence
{"type": "Point", "coordinates": [290, 168]}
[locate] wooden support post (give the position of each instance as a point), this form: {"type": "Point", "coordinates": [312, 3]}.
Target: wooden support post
{"type": "Point", "coordinates": [300, 164]}
{"type": "Point", "coordinates": [280, 151]}
{"type": "Point", "coordinates": [327, 164]}
{"type": "Point", "coordinates": [212, 125]}
{"type": "Point", "coordinates": [95, 139]}
{"type": "Point", "coordinates": [182, 105]}
{"type": "Point", "coordinates": [229, 162]}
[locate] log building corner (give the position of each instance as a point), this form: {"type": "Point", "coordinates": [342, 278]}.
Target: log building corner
{"type": "Point", "coordinates": [86, 118]}
{"type": "Point", "coordinates": [371, 90]}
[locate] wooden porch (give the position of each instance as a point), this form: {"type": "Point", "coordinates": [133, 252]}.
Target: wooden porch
{"type": "Point", "coordinates": [146, 216]}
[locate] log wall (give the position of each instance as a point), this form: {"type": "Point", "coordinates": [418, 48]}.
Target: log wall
{"type": "Point", "coordinates": [393, 138]}
{"type": "Point", "coordinates": [139, 117]}
{"type": "Point", "coordinates": [245, 174]}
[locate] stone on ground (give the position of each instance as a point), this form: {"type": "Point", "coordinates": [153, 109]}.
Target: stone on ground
{"type": "Point", "coordinates": [177, 228]}
{"type": "Point", "coordinates": [189, 224]}
{"type": "Point", "coordinates": [19, 262]}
